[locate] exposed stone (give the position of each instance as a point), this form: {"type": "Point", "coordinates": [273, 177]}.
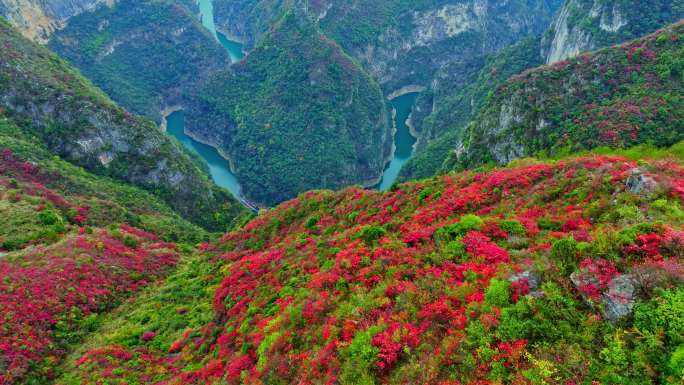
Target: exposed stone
{"type": "Point", "coordinates": [620, 298]}
{"type": "Point", "coordinates": [533, 279]}
{"type": "Point", "coordinates": [638, 183]}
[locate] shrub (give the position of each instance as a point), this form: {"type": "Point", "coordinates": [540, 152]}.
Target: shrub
{"type": "Point", "coordinates": [513, 227]}
{"type": "Point", "coordinates": [564, 253]}
{"type": "Point", "coordinates": [371, 233]}
{"type": "Point", "coordinates": [497, 294]}
{"type": "Point", "coordinates": [450, 232]}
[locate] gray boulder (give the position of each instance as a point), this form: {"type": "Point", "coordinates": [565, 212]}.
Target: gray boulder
{"type": "Point", "coordinates": [638, 183]}
{"type": "Point", "coordinates": [620, 298]}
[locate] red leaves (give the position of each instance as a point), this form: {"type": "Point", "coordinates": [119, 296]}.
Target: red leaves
{"type": "Point", "coordinates": [594, 277]}
{"type": "Point", "coordinates": [479, 245]}
{"type": "Point", "coordinates": [37, 293]}
{"type": "Point", "coordinates": [393, 341]}
{"type": "Point", "coordinates": [293, 300]}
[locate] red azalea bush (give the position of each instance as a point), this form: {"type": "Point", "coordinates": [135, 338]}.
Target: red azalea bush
{"type": "Point", "coordinates": [48, 293]}
{"type": "Point", "coordinates": [363, 287]}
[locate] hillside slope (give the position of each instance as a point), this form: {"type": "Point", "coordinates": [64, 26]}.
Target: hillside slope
{"type": "Point", "coordinates": [38, 19]}
{"type": "Point", "coordinates": [567, 272]}
{"type": "Point", "coordinates": [294, 115]}
{"type": "Point", "coordinates": [49, 99]}
{"type": "Point", "coordinates": [441, 125]}
{"type": "Point", "coordinates": [60, 270]}
{"type": "Point", "coordinates": [619, 97]}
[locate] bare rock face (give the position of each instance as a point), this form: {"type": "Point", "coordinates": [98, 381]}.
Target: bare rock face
{"type": "Point", "coordinates": [37, 19]}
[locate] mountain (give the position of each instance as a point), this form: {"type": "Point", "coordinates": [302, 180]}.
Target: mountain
{"type": "Point", "coordinates": [402, 43]}
{"type": "Point", "coordinates": [441, 125]}
{"type": "Point", "coordinates": [585, 25]}
{"type": "Point", "coordinates": [47, 98]}
{"type": "Point", "coordinates": [144, 54]}
{"type": "Point", "coordinates": [296, 114]}
{"type": "Point", "coordinates": [618, 97]}
{"type": "Point", "coordinates": [564, 272]}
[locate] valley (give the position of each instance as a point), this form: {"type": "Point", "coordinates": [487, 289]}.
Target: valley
{"type": "Point", "coordinates": [336, 192]}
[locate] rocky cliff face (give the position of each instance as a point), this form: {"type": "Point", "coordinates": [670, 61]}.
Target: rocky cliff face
{"type": "Point", "coordinates": [584, 25]}
{"type": "Point", "coordinates": [51, 100]}
{"type": "Point", "coordinates": [403, 43]}
{"type": "Point", "coordinates": [38, 19]}
{"type": "Point", "coordinates": [435, 44]}
{"type": "Point", "coordinates": [580, 25]}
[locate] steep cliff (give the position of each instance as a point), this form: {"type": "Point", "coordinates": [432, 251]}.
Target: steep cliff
{"type": "Point", "coordinates": [616, 97]}
{"type": "Point", "coordinates": [52, 101]}
{"type": "Point", "coordinates": [296, 114]}
{"type": "Point", "coordinates": [404, 43]}
{"type": "Point", "coordinates": [584, 25]}
{"type": "Point", "coordinates": [143, 54]}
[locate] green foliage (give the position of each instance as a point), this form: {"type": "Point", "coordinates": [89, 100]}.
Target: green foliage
{"type": "Point", "coordinates": [513, 227]}
{"type": "Point", "coordinates": [497, 294]}
{"type": "Point", "coordinates": [465, 224]}
{"type": "Point", "coordinates": [358, 360]}
{"type": "Point", "coordinates": [565, 254]}
{"type": "Point", "coordinates": [370, 234]}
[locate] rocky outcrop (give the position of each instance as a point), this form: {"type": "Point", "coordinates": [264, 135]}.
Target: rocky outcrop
{"type": "Point", "coordinates": [38, 19]}
{"type": "Point", "coordinates": [639, 183]}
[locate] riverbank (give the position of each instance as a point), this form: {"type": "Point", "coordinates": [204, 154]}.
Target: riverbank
{"type": "Point", "coordinates": [410, 89]}
{"type": "Point", "coordinates": [403, 140]}
{"type": "Point", "coordinates": [165, 112]}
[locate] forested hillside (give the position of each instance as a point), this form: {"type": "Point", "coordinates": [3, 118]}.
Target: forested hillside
{"type": "Point", "coordinates": [296, 114]}
{"type": "Point", "coordinates": [50, 100]}
{"type": "Point", "coordinates": [144, 54]}
{"type": "Point", "coordinates": [68, 252]}
{"type": "Point", "coordinates": [566, 272]}
{"type": "Point", "coordinates": [550, 250]}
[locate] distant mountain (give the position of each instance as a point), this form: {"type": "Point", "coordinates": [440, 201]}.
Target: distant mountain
{"type": "Point", "coordinates": [618, 97]}
{"type": "Point", "coordinates": [579, 26]}
{"type": "Point", "coordinates": [52, 101]}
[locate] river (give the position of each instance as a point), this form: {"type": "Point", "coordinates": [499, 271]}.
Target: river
{"type": "Point", "coordinates": [403, 140]}
{"type": "Point", "coordinates": [219, 168]}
